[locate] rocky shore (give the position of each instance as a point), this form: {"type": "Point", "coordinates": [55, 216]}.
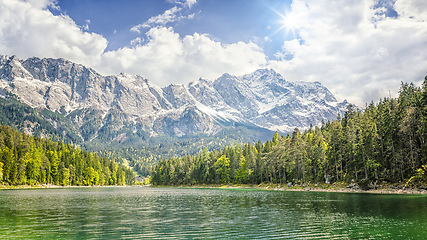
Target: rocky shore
{"type": "Point", "coordinates": [318, 187]}
{"type": "Point", "coordinates": [335, 187]}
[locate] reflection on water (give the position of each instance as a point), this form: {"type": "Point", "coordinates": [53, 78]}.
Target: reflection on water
{"type": "Point", "coordinates": [162, 213]}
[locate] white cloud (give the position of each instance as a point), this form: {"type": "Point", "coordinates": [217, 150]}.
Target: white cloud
{"type": "Point", "coordinates": [191, 16]}
{"type": "Point", "coordinates": [137, 41]}
{"type": "Point", "coordinates": [416, 9]}
{"type": "Point", "coordinates": [29, 29]}
{"type": "Point", "coordinates": [357, 56]}
{"type": "Point", "coordinates": [168, 16]}
{"type": "Point", "coordinates": [167, 58]}
{"type": "Point", "coordinates": [171, 15]}
{"type": "Point", "coordinates": [86, 26]}
{"type": "Point", "coordinates": [356, 51]}
{"type": "Point", "coordinates": [185, 3]}
{"type": "Point", "coordinates": [43, 4]}
{"type": "Point", "coordinates": [190, 3]}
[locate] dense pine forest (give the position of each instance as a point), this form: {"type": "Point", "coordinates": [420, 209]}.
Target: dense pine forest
{"type": "Point", "coordinates": [30, 160]}
{"type": "Point", "coordinates": [384, 142]}
{"type": "Point", "coordinates": [137, 149]}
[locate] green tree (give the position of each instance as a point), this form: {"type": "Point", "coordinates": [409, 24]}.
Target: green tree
{"type": "Point", "coordinates": [243, 174]}
{"type": "Point", "coordinates": [222, 166]}
{"type": "Point", "coordinates": [34, 166]}
{"type": "Point", "coordinates": [8, 160]}
{"type": "Point", "coordinates": [65, 172]}
{"type": "Point", "coordinates": [1, 172]}
{"type": "Point", "coordinates": [90, 176]}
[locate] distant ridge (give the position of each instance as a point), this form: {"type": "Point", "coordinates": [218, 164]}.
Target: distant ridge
{"type": "Point", "coordinates": [125, 107]}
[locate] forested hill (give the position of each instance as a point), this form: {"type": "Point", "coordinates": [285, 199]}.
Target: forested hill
{"type": "Point", "coordinates": [384, 142]}
{"type": "Point", "coordinates": [30, 160]}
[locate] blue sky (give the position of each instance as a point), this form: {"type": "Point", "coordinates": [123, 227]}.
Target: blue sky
{"type": "Point", "coordinates": [359, 49]}
{"type": "Point", "coordinates": [226, 21]}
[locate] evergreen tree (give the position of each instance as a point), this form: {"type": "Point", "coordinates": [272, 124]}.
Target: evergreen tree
{"type": "Point", "coordinates": [385, 141]}
{"type": "Point", "coordinates": [30, 160]}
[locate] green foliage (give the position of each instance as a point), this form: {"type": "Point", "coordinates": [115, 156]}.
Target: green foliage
{"type": "Point", "coordinates": [113, 137]}
{"type": "Point", "coordinates": [420, 176]}
{"type": "Point", "coordinates": [22, 117]}
{"type": "Point", "coordinates": [384, 142]}
{"type": "Point", "coordinates": [243, 174]}
{"type": "Point", "coordinates": [142, 155]}
{"type": "Point", "coordinates": [32, 160]}
{"type": "Point", "coordinates": [1, 171]}
{"type": "Point", "coordinates": [222, 166]}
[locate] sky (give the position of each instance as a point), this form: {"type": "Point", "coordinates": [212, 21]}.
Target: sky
{"type": "Point", "coordinates": [361, 50]}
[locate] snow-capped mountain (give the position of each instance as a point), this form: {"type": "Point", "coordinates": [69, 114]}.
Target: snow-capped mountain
{"type": "Point", "coordinates": [99, 104]}
{"type": "Point", "coordinates": [266, 99]}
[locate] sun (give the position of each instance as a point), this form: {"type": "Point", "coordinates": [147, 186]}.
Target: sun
{"type": "Point", "coordinates": [288, 22]}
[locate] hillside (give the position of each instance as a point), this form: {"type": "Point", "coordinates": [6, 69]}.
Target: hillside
{"type": "Point", "coordinates": [62, 100]}
{"type": "Point", "coordinates": [384, 143]}
{"type": "Point", "coordinates": [27, 160]}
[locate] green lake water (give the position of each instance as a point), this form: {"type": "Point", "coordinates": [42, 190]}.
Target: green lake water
{"type": "Point", "coordinates": [174, 213]}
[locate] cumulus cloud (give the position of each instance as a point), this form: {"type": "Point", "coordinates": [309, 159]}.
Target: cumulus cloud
{"type": "Point", "coordinates": [357, 55]}
{"type": "Point", "coordinates": [353, 47]}
{"type": "Point", "coordinates": [416, 9]}
{"type": "Point", "coordinates": [185, 3]}
{"type": "Point", "coordinates": [136, 41]}
{"type": "Point", "coordinates": [86, 26]}
{"type": "Point", "coordinates": [29, 29]}
{"type": "Point", "coordinates": [168, 58]}
{"type": "Point", "coordinates": [171, 15]}
{"type": "Point", "coordinates": [168, 16]}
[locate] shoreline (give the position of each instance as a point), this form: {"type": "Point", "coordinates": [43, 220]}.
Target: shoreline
{"type": "Point", "coordinates": [51, 186]}
{"type": "Point", "coordinates": [335, 187]}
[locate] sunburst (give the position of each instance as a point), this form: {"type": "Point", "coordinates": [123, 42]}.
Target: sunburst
{"type": "Point", "coordinates": [287, 22]}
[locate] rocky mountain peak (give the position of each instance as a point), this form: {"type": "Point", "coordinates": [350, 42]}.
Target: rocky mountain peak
{"type": "Point", "coordinates": [3, 59]}
{"type": "Point", "coordinates": [262, 98]}
{"type": "Point", "coordinates": [178, 95]}
{"type": "Point", "coordinates": [266, 74]}
{"type": "Point", "coordinates": [12, 68]}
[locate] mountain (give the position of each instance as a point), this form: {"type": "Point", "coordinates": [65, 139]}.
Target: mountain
{"type": "Point", "coordinates": [129, 109]}
{"type": "Point", "coordinates": [264, 98]}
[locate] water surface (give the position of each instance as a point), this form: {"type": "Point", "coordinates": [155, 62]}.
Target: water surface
{"type": "Point", "coordinates": [173, 213]}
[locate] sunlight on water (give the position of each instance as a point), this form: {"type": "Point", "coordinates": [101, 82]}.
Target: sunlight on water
{"type": "Point", "coordinates": [171, 213]}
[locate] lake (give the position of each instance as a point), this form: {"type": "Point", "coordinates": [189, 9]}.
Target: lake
{"type": "Point", "coordinates": [175, 213]}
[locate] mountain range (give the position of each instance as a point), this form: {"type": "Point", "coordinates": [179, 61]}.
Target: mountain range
{"type": "Point", "coordinates": [122, 108]}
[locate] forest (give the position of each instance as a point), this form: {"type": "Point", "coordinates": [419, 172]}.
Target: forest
{"type": "Point", "coordinates": [139, 150]}
{"type": "Point", "coordinates": [27, 160]}
{"type": "Point", "coordinates": [384, 142]}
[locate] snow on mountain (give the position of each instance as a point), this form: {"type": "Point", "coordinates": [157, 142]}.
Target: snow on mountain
{"type": "Point", "coordinates": [266, 99]}
{"type": "Point", "coordinates": [262, 98]}
{"type": "Point", "coordinates": [285, 105]}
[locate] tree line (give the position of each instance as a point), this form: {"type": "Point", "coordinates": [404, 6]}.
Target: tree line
{"type": "Point", "coordinates": [386, 141]}
{"type": "Point", "coordinates": [30, 160]}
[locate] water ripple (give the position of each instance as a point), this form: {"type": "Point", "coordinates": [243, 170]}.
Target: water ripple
{"type": "Point", "coordinates": [157, 213]}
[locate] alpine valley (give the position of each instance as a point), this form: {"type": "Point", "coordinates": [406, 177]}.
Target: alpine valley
{"type": "Point", "coordinates": [62, 100]}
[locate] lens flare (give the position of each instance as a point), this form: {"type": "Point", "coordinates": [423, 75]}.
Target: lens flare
{"type": "Point", "coordinates": [287, 22]}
